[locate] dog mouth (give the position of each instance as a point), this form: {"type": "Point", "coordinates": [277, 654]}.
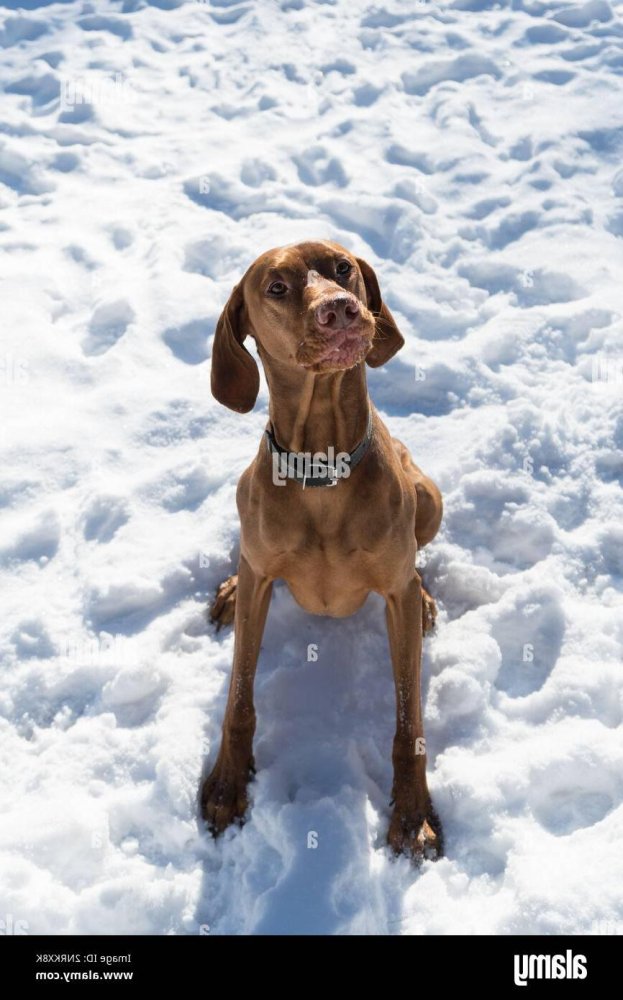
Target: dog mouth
{"type": "Point", "coordinates": [342, 349]}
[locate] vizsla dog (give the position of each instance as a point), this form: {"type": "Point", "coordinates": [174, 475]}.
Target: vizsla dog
{"type": "Point", "coordinates": [333, 530]}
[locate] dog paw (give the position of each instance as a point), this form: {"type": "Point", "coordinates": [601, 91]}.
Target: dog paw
{"type": "Point", "coordinates": [224, 605]}
{"type": "Point", "coordinates": [417, 834]}
{"type": "Point", "coordinates": [224, 797]}
{"type": "Point", "coordinates": [429, 612]}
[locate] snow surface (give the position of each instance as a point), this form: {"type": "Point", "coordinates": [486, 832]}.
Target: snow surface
{"type": "Point", "coordinates": [472, 152]}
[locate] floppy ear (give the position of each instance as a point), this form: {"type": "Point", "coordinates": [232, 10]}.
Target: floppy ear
{"type": "Point", "coordinates": [387, 338]}
{"type": "Point", "coordinates": [234, 377]}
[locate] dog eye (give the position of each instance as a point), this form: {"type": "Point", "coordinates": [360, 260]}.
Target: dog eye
{"type": "Point", "coordinates": [343, 267]}
{"type": "Point", "coordinates": [278, 288]}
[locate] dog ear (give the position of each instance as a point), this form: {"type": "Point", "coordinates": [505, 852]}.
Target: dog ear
{"type": "Point", "coordinates": [235, 378]}
{"type": "Point", "coordinates": [387, 338]}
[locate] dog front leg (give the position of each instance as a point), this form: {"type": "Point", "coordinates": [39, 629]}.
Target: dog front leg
{"type": "Point", "coordinates": [414, 827]}
{"type": "Point", "coordinates": [224, 792]}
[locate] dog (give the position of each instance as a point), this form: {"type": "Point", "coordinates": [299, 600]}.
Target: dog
{"type": "Point", "coordinates": [333, 532]}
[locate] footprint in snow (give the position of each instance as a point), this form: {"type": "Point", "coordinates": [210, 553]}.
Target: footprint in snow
{"type": "Point", "coordinates": [366, 95]}
{"type": "Point", "coordinates": [21, 174]}
{"type": "Point", "coordinates": [530, 636]}
{"type": "Point", "coordinates": [108, 324]}
{"type": "Point", "coordinates": [80, 256]}
{"type": "Point", "coordinates": [30, 640]}
{"type": "Point", "coordinates": [464, 67]}
{"type": "Point", "coordinates": [21, 29]}
{"type": "Point", "coordinates": [254, 172]}
{"type": "Point", "coordinates": [38, 543]}
{"type": "Point", "coordinates": [583, 15]}
{"type": "Point", "coordinates": [121, 237]}
{"type": "Point", "coordinates": [42, 88]}
{"type": "Point", "coordinates": [184, 488]}
{"type": "Point", "coordinates": [404, 157]}
{"type": "Point", "coordinates": [557, 77]}
{"type": "Point", "coordinates": [231, 14]}
{"type": "Point", "coordinates": [103, 518]}
{"type": "Point", "coordinates": [546, 34]}
{"type": "Point", "coordinates": [214, 257]}
{"type": "Point", "coordinates": [538, 287]}
{"type": "Point", "coordinates": [114, 25]}
{"type": "Point", "coordinates": [572, 794]}
{"type": "Point", "coordinates": [189, 343]}
{"type": "Point", "coordinates": [65, 162]}
{"type": "Point", "coordinates": [341, 66]}
{"type": "Point", "coordinates": [315, 167]}
{"type": "Point", "coordinates": [481, 209]}
{"type": "Point", "coordinates": [408, 190]}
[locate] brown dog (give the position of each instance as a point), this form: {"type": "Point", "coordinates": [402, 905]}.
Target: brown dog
{"type": "Point", "coordinates": [316, 315]}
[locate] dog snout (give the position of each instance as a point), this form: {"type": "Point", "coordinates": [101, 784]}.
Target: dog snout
{"type": "Point", "coordinates": [337, 312]}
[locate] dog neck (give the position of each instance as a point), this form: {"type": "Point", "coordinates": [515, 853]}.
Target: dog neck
{"type": "Point", "coordinates": [310, 412]}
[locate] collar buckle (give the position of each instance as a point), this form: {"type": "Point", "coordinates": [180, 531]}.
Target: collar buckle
{"type": "Point", "coordinates": [322, 474]}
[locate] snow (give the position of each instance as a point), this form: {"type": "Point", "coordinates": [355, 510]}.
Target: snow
{"type": "Point", "coordinates": [471, 151]}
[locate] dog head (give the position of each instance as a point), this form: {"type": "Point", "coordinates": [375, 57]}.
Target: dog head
{"type": "Point", "coordinates": [313, 306]}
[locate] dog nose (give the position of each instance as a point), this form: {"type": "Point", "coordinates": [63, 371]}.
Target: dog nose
{"type": "Point", "coordinates": [337, 312]}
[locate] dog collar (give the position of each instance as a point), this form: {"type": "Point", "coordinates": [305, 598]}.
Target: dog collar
{"type": "Point", "coordinates": [316, 472]}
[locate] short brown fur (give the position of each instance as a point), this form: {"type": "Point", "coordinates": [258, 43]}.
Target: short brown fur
{"type": "Point", "coordinates": [332, 546]}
